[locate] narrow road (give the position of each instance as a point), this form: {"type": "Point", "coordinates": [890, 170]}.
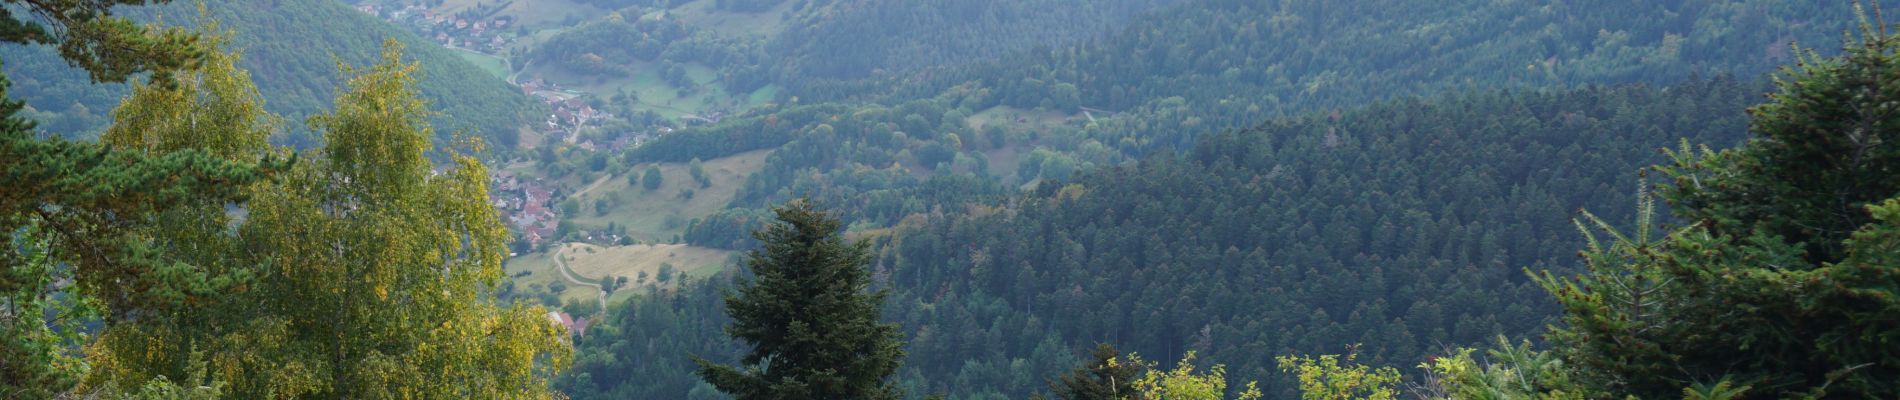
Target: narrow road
{"type": "Point", "coordinates": [514, 74]}
{"type": "Point", "coordinates": [561, 265]}
{"type": "Point", "coordinates": [590, 187]}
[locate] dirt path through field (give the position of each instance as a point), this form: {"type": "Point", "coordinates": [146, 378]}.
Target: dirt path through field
{"type": "Point", "coordinates": [560, 264]}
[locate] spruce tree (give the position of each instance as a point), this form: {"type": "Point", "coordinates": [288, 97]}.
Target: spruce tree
{"type": "Point", "coordinates": [1107, 377]}
{"type": "Point", "coordinates": [809, 315]}
{"type": "Point", "coordinates": [1784, 283]}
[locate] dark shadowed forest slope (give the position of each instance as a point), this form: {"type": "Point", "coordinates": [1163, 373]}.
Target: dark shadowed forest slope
{"type": "Point", "coordinates": [1402, 226]}
{"type": "Point", "coordinates": [1234, 63]}
{"type": "Point", "coordinates": [1178, 73]}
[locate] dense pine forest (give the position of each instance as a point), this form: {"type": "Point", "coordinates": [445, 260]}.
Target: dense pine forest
{"type": "Point", "coordinates": [948, 199]}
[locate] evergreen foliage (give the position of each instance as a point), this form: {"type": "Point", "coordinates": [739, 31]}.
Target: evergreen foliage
{"type": "Point", "coordinates": [1783, 283]}
{"type": "Point", "coordinates": [810, 316]}
{"type": "Point", "coordinates": [111, 48]}
{"type": "Point", "coordinates": [1405, 233]}
{"type": "Point", "coordinates": [71, 212]}
{"type": "Point", "coordinates": [640, 349]}
{"type": "Point", "coordinates": [1105, 377]}
{"type": "Point", "coordinates": [1123, 205]}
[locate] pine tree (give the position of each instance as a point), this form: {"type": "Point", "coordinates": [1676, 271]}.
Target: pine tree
{"type": "Point", "coordinates": [110, 48]}
{"type": "Point", "coordinates": [810, 317]}
{"type": "Point", "coordinates": [200, 305]}
{"type": "Point", "coordinates": [71, 212]}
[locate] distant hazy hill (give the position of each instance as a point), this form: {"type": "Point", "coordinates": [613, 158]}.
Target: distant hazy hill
{"type": "Point", "coordinates": [855, 37]}
{"type": "Point", "coordinates": [292, 48]}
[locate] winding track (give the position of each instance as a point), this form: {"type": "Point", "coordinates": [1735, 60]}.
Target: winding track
{"type": "Point", "coordinates": [561, 265]}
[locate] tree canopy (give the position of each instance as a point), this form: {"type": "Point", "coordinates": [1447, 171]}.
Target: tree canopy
{"type": "Point", "coordinates": [219, 266]}
{"type": "Point", "coordinates": [810, 316]}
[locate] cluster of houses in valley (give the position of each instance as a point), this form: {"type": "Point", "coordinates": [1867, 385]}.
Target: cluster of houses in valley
{"type": "Point", "coordinates": [486, 35]}
{"type": "Point", "coordinates": [526, 206]}
{"type": "Point", "coordinates": [570, 113]}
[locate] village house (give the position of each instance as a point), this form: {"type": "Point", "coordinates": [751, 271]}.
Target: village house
{"type": "Point", "coordinates": [575, 327]}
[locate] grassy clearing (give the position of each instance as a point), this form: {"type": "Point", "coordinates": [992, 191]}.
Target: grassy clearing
{"type": "Point", "coordinates": [1016, 118]}
{"type": "Point", "coordinates": [595, 262]}
{"type": "Point", "coordinates": [541, 273]}
{"type": "Point", "coordinates": [645, 213]}
{"type": "Point", "coordinates": [530, 138]}
{"type": "Point", "coordinates": [1003, 161]}
{"type": "Point", "coordinates": [654, 94]}
{"type": "Point", "coordinates": [762, 96]}
{"type": "Point", "coordinates": [592, 263]}
{"type": "Point", "coordinates": [492, 64]}
{"type": "Point", "coordinates": [703, 14]}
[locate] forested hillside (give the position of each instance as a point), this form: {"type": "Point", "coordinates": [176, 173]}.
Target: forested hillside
{"type": "Point", "coordinates": [854, 38]}
{"type": "Point", "coordinates": [292, 49]}
{"type": "Point", "coordinates": [849, 39]}
{"type": "Point", "coordinates": [1402, 226]}
{"type": "Point", "coordinates": [1235, 63]}
{"type": "Point", "coordinates": [702, 57]}
{"type": "Point", "coordinates": [1206, 66]}
{"type": "Point", "coordinates": [955, 199]}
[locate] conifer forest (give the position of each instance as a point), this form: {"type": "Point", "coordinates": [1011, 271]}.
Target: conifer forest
{"type": "Point", "coordinates": [950, 199]}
